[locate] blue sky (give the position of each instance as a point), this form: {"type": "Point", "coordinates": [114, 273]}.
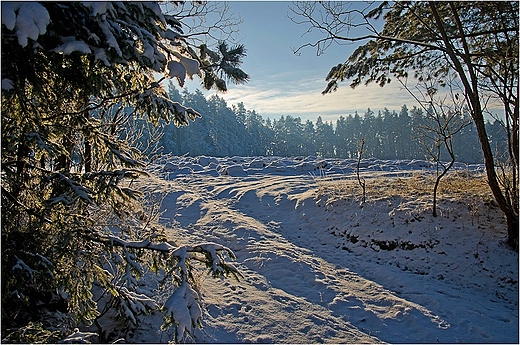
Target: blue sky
{"type": "Point", "coordinates": [283, 83]}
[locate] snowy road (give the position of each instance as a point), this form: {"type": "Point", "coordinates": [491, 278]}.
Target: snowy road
{"type": "Point", "coordinates": [300, 286]}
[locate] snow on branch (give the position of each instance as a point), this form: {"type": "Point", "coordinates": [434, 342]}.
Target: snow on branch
{"type": "Point", "coordinates": [213, 253]}
{"type": "Point", "coordinates": [182, 309]}
{"type": "Point", "coordinates": [28, 19]}
{"type": "Point", "coordinates": [132, 304]}
{"type": "Point", "coordinates": [78, 337]}
{"type": "Point", "coordinates": [166, 108]}
{"type": "Point", "coordinates": [185, 66]}
{"type": "Point", "coordinates": [215, 260]}
{"type": "Point", "coordinates": [21, 265]}
{"type": "Point", "coordinates": [78, 190]}
{"type": "Point", "coordinates": [71, 44]}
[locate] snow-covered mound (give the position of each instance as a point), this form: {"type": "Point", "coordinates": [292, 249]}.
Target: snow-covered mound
{"type": "Point", "coordinates": [321, 268]}
{"type": "Point", "coordinates": [242, 166]}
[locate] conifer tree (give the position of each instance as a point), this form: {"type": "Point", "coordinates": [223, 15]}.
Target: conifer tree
{"type": "Point", "coordinates": [74, 75]}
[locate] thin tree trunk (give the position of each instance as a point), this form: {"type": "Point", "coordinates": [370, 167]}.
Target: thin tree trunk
{"type": "Point", "coordinates": [472, 95]}
{"type": "Point", "coordinates": [444, 172]}
{"type": "Point", "coordinates": [88, 156]}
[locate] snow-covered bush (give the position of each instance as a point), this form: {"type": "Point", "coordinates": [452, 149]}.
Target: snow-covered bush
{"type": "Point", "coordinates": [75, 78]}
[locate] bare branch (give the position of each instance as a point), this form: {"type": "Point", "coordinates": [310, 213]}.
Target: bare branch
{"type": "Point", "coordinates": [338, 21]}
{"type": "Point", "coordinates": [207, 22]}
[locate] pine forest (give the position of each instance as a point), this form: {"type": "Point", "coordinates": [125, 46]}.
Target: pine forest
{"type": "Point", "coordinates": [233, 130]}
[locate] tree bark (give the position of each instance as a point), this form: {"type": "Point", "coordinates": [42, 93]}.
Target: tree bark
{"type": "Point", "coordinates": [472, 95]}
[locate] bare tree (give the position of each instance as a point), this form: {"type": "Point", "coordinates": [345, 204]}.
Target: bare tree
{"type": "Point", "coordinates": [446, 118]}
{"type": "Point", "coordinates": [478, 41]}
{"type": "Point", "coordinates": [361, 181]}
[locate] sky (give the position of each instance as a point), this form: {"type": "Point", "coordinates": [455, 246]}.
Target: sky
{"type": "Point", "coordinates": [284, 83]}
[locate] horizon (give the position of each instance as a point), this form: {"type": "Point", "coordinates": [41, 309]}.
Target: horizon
{"type": "Point", "coordinates": [285, 83]}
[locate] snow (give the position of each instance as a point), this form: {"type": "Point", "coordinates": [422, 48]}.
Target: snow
{"type": "Point", "coordinates": [79, 337]}
{"type": "Point", "coordinates": [184, 309]}
{"type": "Point", "coordinates": [185, 66]}
{"type": "Point", "coordinates": [171, 35]}
{"type": "Point", "coordinates": [9, 14]}
{"type": "Point", "coordinates": [177, 70]}
{"type": "Point", "coordinates": [191, 65]}
{"type": "Point", "coordinates": [20, 265]}
{"type": "Point", "coordinates": [149, 51]}
{"type": "Point", "coordinates": [109, 37]}
{"type": "Point", "coordinates": [7, 84]}
{"type": "Point", "coordinates": [100, 54]}
{"type": "Point", "coordinates": [98, 7]}
{"type": "Point", "coordinates": [321, 268]}
{"type": "Point", "coordinates": [70, 44]}
{"type": "Point", "coordinates": [28, 19]}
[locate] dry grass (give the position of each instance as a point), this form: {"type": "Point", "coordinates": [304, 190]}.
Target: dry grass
{"type": "Point", "coordinates": [455, 185]}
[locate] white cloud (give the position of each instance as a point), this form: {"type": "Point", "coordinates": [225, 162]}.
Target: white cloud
{"type": "Point", "coordinates": [290, 96]}
{"type": "Point", "coordinates": [288, 93]}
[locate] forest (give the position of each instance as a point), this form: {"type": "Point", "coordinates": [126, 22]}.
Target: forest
{"type": "Point", "coordinates": [102, 242]}
{"type": "Point", "coordinates": [229, 130]}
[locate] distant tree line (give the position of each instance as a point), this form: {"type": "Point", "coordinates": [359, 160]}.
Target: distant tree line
{"type": "Point", "coordinates": [235, 130]}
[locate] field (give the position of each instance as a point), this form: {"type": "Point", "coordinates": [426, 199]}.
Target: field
{"type": "Point", "coordinates": [320, 265]}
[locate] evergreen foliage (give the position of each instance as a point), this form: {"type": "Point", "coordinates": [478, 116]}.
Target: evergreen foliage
{"type": "Point", "coordinates": [237, 131]}
{"type": "Point", "coordinates": [76, 79]}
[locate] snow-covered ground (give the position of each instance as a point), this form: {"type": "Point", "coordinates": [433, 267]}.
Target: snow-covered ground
{"type": "Point", "coordinates": [321, 268]}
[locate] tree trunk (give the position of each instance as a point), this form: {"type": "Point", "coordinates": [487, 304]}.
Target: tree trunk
{"type": "Point", "coordinates": [470, 82]}
{"type": "Point", "coordinates": [64, 160]}
{"type": "Point", "coordinates": [503, 203]}
{"type": "Point", "coordinates": [439, 177]}
{"type": "Point", "coordinates": [512, 230]}
{"type": "Point", "coordinates": [88, 156]}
